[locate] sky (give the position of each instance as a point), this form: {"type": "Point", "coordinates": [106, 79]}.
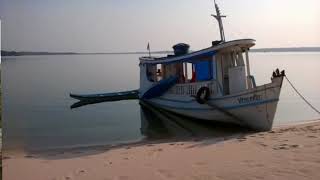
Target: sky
{"type": "Point", "coordinates": [128, 25]}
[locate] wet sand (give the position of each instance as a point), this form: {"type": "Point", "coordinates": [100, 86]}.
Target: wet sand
{"type": "Point", "coordinates": [291, 152]}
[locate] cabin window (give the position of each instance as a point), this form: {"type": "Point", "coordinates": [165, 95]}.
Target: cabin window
{"type": "Point", "coordinates": [168, 70]}
{"type": "Point", "coordinates": [240, 61]}
{"type": "Point", "coordinates": [203, 70]}
{"type": "Point", "coordinates": [188, 72]}
{"type": "Point", "coordinates": [151, 72]}
{"type": "Point", "coordinates": [236, 59]}
{"type": "Point", "coordinates": [179, 72]}
{"type": "Point", "coordinates": [159, 72]}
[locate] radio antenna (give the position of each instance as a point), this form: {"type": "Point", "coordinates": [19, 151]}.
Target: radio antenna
{"type": "Point", "coordinates": [219, 19]}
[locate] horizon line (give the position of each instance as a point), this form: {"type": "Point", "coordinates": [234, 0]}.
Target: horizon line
{"type": "Point", "coordinates": [305, 48]}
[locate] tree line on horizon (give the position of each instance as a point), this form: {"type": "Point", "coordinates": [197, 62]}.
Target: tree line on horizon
{"type": "Point", "coordinates": [25, 53]}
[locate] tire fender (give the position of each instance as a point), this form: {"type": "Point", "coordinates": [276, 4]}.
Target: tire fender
{"type": "Point", "coordinates": [203, 95]}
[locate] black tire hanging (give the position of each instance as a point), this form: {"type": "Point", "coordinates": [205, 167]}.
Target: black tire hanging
{"type": "Point", "coordinates": [201, 99]}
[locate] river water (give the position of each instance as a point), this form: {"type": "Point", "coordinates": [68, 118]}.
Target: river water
{"type": "Point", "coordinates": [36, 102]}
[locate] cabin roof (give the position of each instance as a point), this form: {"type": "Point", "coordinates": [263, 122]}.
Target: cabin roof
{"type": "Point", "coordinates": [240, 43]}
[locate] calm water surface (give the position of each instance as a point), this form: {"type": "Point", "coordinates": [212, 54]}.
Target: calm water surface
{"type": "Point", "coordinates": [36, 102]}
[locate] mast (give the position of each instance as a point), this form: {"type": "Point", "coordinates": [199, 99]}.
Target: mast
{"type": "Point", "coordinates": [219, 19]}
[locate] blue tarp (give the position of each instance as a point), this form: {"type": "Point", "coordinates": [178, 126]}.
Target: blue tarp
{"type": "Point", "coordinates": [203, 70]}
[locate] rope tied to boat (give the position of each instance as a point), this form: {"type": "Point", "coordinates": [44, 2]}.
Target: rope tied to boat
{"type": "Point", "coordinates": [302, 97]}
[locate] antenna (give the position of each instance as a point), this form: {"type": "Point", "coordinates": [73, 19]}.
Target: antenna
{"type": "Point", "coordinates": [219, 19]}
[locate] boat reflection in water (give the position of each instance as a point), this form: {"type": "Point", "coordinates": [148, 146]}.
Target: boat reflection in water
{"type": "Point", "coordinates": [157, 123]}
{"type": "Point", "coordinates": [160, 124]}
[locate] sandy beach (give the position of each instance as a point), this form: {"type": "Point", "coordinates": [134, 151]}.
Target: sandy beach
{"type": "Point", "coordinates": [291, 152]}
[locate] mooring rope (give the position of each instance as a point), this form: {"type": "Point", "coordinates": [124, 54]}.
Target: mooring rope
{"type": "Point", "coordinates": [302, 97]}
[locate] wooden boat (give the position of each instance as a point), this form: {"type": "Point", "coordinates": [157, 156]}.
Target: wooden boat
{"type": "Point", "coordinates": [116, 96]}
{"type": "Point", "coordinates": [212, 84]}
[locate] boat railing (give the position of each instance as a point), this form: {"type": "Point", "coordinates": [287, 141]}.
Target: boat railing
{"type": "Point", "coordinates": [192, 88]}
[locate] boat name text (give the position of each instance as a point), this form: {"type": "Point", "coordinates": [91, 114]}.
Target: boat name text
{"type": "Point", "coordinates": [255, 97]}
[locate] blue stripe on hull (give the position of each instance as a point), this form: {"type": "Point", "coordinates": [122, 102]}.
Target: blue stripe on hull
{"type": "Point", "coordinates": [225, 107]}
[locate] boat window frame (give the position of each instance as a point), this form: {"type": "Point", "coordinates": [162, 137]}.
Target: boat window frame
{"type": "Point", "coordinates": [151, 78]}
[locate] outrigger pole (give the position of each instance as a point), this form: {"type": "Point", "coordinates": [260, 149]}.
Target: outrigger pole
{"type": "Point", "coordinates": [219, 19]}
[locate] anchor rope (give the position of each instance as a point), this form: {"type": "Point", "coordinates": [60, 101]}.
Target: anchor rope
{"type": "Point", "coordinates": [302, 97]}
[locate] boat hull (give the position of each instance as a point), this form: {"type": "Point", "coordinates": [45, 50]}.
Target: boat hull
{"type": "Point", "coordinates": [254, 108]}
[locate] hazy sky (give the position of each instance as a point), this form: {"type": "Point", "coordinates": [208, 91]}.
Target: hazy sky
{"type": "Point", "coordinates": [128, 25]}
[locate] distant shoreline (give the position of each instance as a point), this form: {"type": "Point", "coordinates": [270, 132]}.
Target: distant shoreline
{"type": "Point", "coordinates": [18, 53]}
{"type": "Point", "coordinates": [296, 49]}
{"type": "Point", "coordinates": [26, 53]}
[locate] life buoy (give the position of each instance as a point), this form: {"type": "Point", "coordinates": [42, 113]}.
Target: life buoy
{"type": "Point", "coordinates": [203, 95]}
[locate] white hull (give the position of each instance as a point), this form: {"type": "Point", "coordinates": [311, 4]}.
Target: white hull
{"type": "Point", "coordinates": [254, 108]}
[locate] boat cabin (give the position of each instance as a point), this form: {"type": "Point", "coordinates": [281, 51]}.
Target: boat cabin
{"type": "Point", "coordinates": [223, 68]}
